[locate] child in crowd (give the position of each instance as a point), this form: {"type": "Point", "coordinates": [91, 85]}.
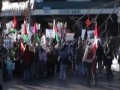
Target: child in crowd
{"type": "Point", "coordinates": [9, 67]}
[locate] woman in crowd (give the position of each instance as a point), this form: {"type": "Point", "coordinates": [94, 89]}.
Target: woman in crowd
{"type": "Point", "coordinates": [26, 60]}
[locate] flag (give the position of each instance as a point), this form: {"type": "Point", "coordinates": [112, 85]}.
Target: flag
{"type": "Point", "coordinates": [11, 30]}
{"type": "Point", "coordinates": [25, 29]}
{"type": "Point", "coordinates": [21, 48]}
{"type": "Point", "coordinates": [34, 30]}
{"type": "Point", "coordinates": [55, 31]}
{"type": "Point", "coordinates": [87, 22]}
{"type": "Point", "coordinates": [14, 22]}
{"type": "Point", "coordinates": [94, 46]}
{"type": "Point", "coordinates": [25, 36]}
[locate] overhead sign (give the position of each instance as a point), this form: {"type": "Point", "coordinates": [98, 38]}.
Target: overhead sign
{"type": "Point", "coordinates": [49, 11]}
{"type": "Point", "coordinates": [50, 33]}
{"type": "Point", "coordinates": [69, 11]}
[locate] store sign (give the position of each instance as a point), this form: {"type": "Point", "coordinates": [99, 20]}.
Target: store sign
{"type": "Point", "coordinates": [14, 6]}
{"type": "Point", "coordinates": [69, 11]}
{"type": "Point", "coordinates": [46, 10]}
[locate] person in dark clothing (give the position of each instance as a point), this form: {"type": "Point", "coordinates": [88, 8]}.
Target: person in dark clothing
{"type": "Point", "coordinates": [80, 54]}
{"type": "Point", "coordinates": [37, 61]}
{"type": "Point", "coordinates": [32, 61]}
{"type": "Point", "coordinates": [63, 59]}
{"type": "Point", "coordinates": [3, 53]}
{"type": "Point", "coordinates": [50, 62]}
{"type": "Point", "coordinates": [26, 57]}
{"type": "Point", "coordinates": [99, 56]}
{"type": "Point", "coordinates": [109, 58]}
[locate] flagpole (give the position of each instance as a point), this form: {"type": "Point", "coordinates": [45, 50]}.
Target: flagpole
{"type": "Point", "coordinates": [29, 19]}
{"type": "Point", "coordinates": [29, 13]}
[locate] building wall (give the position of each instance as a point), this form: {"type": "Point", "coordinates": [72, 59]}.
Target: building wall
{"type": "Point", "coordinates": [78, 0]}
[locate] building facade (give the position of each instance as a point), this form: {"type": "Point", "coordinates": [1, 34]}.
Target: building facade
{"type": "Point", "coordinates": [43, 11]}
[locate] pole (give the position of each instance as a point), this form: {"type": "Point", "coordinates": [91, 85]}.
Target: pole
{"type": "Point", "coordinates": [29, 19]}
{"type": "Point", "coordinates": [29, 14]}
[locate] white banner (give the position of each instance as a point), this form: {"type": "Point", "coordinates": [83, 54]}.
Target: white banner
{"type": "Point", "coordinates": [50, 33]}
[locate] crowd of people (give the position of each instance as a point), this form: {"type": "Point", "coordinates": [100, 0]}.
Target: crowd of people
{"type": "Point", "coordinates": [37, 62]}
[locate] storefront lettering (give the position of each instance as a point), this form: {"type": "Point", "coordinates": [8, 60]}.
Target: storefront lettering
{"type": "Point", "coordinates": [69, 11]}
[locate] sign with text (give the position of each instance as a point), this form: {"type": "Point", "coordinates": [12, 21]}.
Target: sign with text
{"type": "Point", "coordinates": [69, 11]}
{"type": "Point", "coordinates": [7, 42]}
{"type": "Point", "coordinates": [50, 33]}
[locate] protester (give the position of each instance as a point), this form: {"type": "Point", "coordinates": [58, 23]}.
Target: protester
{"type": "Point", "coordinates": [26, 60]}
{"type": "Point", "coordinates": [63, 59]}
{"type": "Point", "coordinates": [9, 64]}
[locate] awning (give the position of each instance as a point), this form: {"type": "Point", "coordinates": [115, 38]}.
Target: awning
{"type": "Point", "coordinates": [72, 5]}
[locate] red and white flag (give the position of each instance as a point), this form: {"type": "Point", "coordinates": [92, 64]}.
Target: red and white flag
{"type": "Point", "coordinates": [94, 46]}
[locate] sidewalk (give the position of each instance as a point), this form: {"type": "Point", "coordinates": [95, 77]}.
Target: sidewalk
{"type": "Point", "coordinates": [73, 83]}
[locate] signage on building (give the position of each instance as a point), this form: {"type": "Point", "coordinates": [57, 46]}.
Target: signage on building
{"type": "Point", "coordinates": [9, 9]}
{"type": "Point", "coordinates": [46, 10]}
{"type": "Point", "coordinates": [69, 11]}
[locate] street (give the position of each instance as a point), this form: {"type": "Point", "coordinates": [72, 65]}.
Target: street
{"type": "Point", "coordinates": [73, 82]}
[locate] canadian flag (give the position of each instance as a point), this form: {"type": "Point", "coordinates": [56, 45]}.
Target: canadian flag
{"type": "Point", "coordinates": [94, 46]}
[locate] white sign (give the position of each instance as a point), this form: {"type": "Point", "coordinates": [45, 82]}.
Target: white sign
{"type": "Point", "coordinates": [83, 33]}
{"type": "Point", "coordinates": [9, 25]}
{"type": "Point", "coordinates": [69, 36]}
{"type": "Point", "coordinates": [90, 34]}
{"type": "Point", "coordinates": [50, 33]}
{"type": "Point", "coordinates": [22, 28]}
{"type": "Point", "coordinates": [5, 32]}
{"type": "Point", "coordinates": [7, 42]}
{"type": "Point", "coordinates": [13, 37]}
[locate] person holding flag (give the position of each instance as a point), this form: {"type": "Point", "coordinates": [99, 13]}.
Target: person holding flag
{"type": "Point", "coordinates": [89, 57]}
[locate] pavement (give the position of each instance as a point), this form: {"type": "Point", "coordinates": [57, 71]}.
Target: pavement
{"type": "Point", "coordinates": [73, 82]}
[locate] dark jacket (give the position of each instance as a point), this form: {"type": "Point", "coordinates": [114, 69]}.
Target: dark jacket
{"type": "Point", "coordinates": [99, 53]}
{"type": "Point", "coordinates": [80, 53]}
{"type": "Point", "coordinates": [63, 58]}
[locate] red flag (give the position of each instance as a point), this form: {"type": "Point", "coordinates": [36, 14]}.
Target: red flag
{"type": "Point", "coordinates": [25, 29]}
{"type": "Point", "coordinates": [87, 22]}
{"type": "Point", "coordinates": [96, 31]}
{"type": "Point", "coordinates": [14, 22]}
{"type": "Point", "coordinates": [34, 28]}
{"type": "Point", "coordinates": [21, 48]}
